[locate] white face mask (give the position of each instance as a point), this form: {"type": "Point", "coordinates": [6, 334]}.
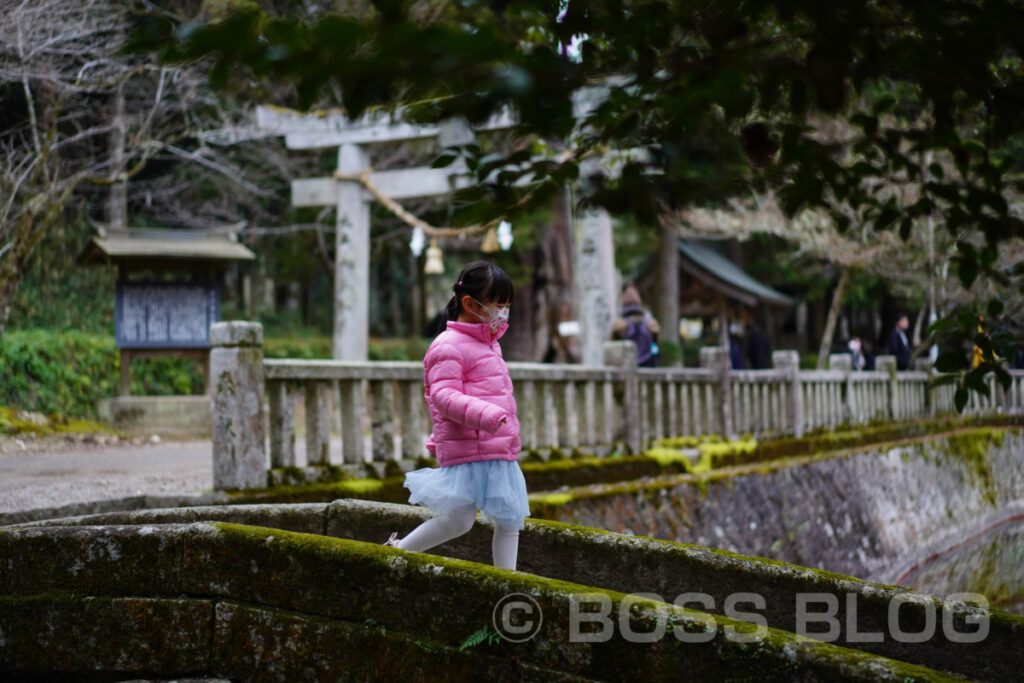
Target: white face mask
{"type": "Point", "coordinates": [496, 318]}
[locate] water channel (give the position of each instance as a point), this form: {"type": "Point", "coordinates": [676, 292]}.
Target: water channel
{"type": "Point", "coordinates": [990, 563]}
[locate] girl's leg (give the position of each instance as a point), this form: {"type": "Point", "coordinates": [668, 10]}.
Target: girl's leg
{"type": "Point", "coordinates": [505, 546]}
{"type": "Point", "coordinates": [439, 529]}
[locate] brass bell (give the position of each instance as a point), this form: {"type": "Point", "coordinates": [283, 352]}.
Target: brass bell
{"type": "Point", "coordinates": [434, 264]}
{"type": "Point", "coordinates": [490, 244]}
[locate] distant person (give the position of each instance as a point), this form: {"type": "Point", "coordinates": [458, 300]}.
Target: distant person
{"type": "Point", "coordinates": [639, 326]}
{"type": "Point", "coordinates": [857, 360]}
{"type": "Point", "coordinates": [869, 354]}
{"type": "Point", "coordinates": [476, 434]}
{"type": "Point", "coordinates": [759, 351]}
{"type": "Point", "coordinates": [736, 347]}
{"type": "Point", "coordinates": [899, 346]}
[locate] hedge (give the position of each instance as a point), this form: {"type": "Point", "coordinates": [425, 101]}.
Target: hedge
{"type": "Point", "coordinates": [67, 372]}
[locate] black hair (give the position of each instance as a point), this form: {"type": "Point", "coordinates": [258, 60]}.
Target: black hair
{"type": "Point", "coordinates": [483, 281]}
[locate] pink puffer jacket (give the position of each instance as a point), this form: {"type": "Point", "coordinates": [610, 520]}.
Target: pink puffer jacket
{"type": "Point", "coordinates": [469, 392]}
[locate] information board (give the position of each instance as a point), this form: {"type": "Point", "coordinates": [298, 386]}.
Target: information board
{"type": "Point", "coordinates": [165, 315]}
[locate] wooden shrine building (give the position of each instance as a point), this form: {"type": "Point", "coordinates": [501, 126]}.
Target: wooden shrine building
{"type": "Point", "coordinates": [167, 296]}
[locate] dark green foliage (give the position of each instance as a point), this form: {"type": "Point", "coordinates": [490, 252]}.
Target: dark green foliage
{"type": "Point", "coordinates": [68, 372]}
{"type": "Point", "coordinates": [57, 293]}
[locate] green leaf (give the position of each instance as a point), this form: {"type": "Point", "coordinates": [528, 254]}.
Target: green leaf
{"type": "Point", "coordinates": [1004, 378]}
{"type": "Point", "coordinates": [975, 380]}
{"type": "Point", "coordinates": [475, 639]}
{"type": "Point", "coordinates": [906, 225]}
{"type": "Point", "coordinates": [960, 399]}
{"type": "Point", "coordinates": [444, 159]}
{"type": "Point", "coordinates": [995, 308]}
{"type": "Point", "coordinates": [951, 361]}
{"type": "Point", "coordinates": [969, 322]}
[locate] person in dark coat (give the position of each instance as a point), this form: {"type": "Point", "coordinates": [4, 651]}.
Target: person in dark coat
{"type": "Point", "coordinates": [899, 346]}
{"type": "Point", "coordinates": [758, 349]}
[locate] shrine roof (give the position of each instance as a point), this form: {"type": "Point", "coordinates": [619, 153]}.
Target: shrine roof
{"type": "Point", "coordinates": [157, 244]}
{"type": "Point", "coordinates": [721, 274]}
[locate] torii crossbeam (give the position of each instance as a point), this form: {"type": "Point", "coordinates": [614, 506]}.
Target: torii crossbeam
{"type": "Point", "coordinates": [595, 261]}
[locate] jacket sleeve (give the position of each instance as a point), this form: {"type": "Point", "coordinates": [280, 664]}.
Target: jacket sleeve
{"type": "Point", "coordinates": [444, 374]}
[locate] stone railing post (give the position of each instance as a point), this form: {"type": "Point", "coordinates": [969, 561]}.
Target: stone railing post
{"type": "Point", "coordinates": [843, 362]}
{"type": "Point", "coordinates": [887, 363]}
{"type": "Point", "coordinates": [925, 365]}
{"type": "Point", "coordinates": [717, 358]}
{"type": "Point", "coordinates": [622, 354]}
{"type": "Point", "coordinates": [789, 362]}
{"type": "Point", "coordinates": [236, 401]}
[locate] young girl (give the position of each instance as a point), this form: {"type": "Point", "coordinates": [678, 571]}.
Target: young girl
{"type": "Point", "coordinates": [476, 433]}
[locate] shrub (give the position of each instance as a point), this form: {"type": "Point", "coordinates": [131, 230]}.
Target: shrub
{"type": "Point", "coordinates": [67, 373]}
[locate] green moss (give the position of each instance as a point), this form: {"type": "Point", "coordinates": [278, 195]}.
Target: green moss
{"type": "Point", "coordinates": [972, 447]}
{"type": "Point", "coordinates": [361, 485]}
{"type": "Point", "coordinates": [778, 653]}
{"type": "Point", "coordinates": [384, 490]}
{"type": "Point", "coordinates": [553, 499]}
{"type": "Point", "coordinates": [666, 456]}
{"type": "Point", "coordinates": [18, 422]}
{"type": "Point", "coordinates": [728, 449]}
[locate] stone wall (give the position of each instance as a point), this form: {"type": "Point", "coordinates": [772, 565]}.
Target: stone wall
{"type": "Point", "coordinates": [247, 602]}
{"type": "Point", "coordinates": [860, 513]}
{"type": "Point", "coordinates": [274, 584]}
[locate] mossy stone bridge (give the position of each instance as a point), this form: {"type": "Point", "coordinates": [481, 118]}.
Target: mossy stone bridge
{"type": "Point", "coordinates": [678, 558]}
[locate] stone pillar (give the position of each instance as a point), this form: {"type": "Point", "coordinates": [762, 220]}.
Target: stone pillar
{"type": "Point", "coordinates": [595, 282]}
{"type": "Point", "coordinates": [622, 354]}
{"type": "Point", "coordinates": [717, 358]}
{"type": "Point", "coordinates": [666, 300]}
{"type": "Point", "coordinates": [352, 261]}
{"type": "Point", "coordinates": [843, 362]}
{"type": "Point", "coordinates": [925, 365]}
{"type": "Point", "coordinates": [887, 363]}
{"type": "Point", "coordinates": [789, 362]}
{"type": "Point", "coordinates": [236, 377]}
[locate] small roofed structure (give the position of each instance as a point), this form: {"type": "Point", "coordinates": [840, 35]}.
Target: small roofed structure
{"type": "Point", "coordinates": [167, 297]}
{"type": "Point", "coordinates": [168, 247]}
{"type": "Point", "coordinates": [711, 278]}
{"type": "Point", "coordinates": [713, 287]}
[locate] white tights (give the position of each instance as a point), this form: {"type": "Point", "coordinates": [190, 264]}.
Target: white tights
{"type": "Point", "coordinates": [504, 543]}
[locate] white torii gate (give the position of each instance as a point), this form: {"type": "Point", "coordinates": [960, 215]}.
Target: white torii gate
{"type": "Point", "coordinates": [595, 267]}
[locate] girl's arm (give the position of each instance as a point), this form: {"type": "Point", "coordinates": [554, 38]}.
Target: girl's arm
{"type": "Point", "coordinates": [444, 374]}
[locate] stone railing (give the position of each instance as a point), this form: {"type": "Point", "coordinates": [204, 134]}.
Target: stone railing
{"type": "Point", "coordinates": [379, 411]}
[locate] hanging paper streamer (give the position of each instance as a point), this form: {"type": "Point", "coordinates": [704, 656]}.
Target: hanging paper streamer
{"type": "Point", "coordinates": [417, 242]}
{"type": "Point", "coordinates": [505, 235]}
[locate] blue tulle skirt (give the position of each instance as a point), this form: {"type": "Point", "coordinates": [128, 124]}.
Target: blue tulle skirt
{"type": "Point", "coordinates": [495, 487]}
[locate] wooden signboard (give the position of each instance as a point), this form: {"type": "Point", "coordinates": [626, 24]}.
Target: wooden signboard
{"type": "Point", "coordinates": [154, 315]}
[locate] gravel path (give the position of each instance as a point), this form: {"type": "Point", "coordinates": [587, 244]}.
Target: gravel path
{"type": "Point", "coordinates": [38, 474]}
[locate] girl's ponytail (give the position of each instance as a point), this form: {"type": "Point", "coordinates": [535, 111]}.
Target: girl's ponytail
{"type": "Point", "coordinates": [451, 311]}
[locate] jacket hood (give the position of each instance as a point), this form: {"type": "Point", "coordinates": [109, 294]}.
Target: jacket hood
{"type": "Point", "coordinates": [479, 331]}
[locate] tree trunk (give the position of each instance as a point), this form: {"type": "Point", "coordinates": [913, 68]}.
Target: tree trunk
{"type": "Point", "coordinates": [830, 321]}
{"type": "Point", "coordinates": [547, 299]}
{"type": "Point", "coordinates": [117, 198]}
{"type": "Point", "coordinates": [559, 283]}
